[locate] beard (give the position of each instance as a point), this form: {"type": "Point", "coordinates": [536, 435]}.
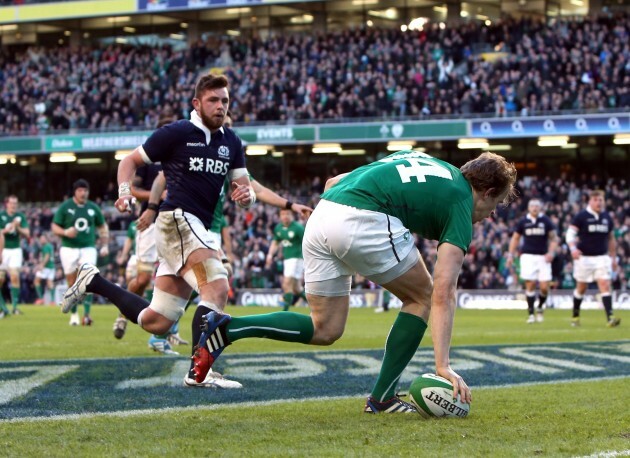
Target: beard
{"type": "Point", "coordinates": [211, 122]}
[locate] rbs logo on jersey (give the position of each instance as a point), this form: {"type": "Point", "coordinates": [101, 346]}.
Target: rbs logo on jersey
{"type": "Point", "coordinates": [196, 164]}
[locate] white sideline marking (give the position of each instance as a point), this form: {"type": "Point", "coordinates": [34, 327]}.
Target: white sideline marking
{"type": "Point", "coordinates": [133, 413]}
{"type": "Point", "coordinates": [612, 454]}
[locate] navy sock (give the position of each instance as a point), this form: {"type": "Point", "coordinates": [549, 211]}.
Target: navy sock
{"type": "Point", "coordinates": [128, 303]}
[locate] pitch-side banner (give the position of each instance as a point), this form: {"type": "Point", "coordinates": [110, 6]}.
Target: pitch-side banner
{"type": "Point", "coordinates": [553, 125]}
{"type": "Point", "coordinates": [273, 297]}
{"type": "Point", "coordinates": [163, 5]}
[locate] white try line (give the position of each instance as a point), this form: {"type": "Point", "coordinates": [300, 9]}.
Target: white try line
{"type": "Point", "coordinates": [240, 405]}
{"type": "Point", "coordinates": [612, 454]}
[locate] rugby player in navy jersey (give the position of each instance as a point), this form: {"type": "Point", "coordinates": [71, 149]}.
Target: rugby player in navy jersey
{"type": "Point", "coordinates": [196, 156]}
{"type": "Point", "coordinates": [592, 242]}
{"type": "Point", "coordinates": [537, 252]}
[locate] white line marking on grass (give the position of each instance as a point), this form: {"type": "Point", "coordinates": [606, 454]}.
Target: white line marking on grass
{"type": "Point", "coordinates": [133, 413]}
{"type": "Point", "coordinates": [612, 454]}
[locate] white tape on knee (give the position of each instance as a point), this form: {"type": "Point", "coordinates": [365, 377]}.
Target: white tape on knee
{"type": "Point", "coordinates": [167, 305]}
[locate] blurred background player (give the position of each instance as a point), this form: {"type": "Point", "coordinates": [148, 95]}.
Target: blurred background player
{"type": "Point", "coordinates": [289, 234]}
{"type": "Point", "coordinates": [539, 244]}
{"type": "Point", "coordinates": [593, 249]}
{"type": "Point", "coordinates": [45, 271]}
{"type": "Point", "coordinates": [14, 225]}
{"type": "Point", "coordinates": [77, 221]}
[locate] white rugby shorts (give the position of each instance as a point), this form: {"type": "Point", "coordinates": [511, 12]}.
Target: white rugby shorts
{"type": "Point", "coordinates": [590, 268]}
{"type": "Point", "coordinates": [177, 235]}
{"type": "Point", "coordinates": [294, 268]}
{"type": "Point", "coordinates": [340, 240]}
{"type": "Point", "coordinates": [146, 249]}
{"type": "Point", "coordinates": [131, 271]}
{"type": "Point", "coordinates": [534, 267]}
{"type": "Point", "coordinates": [72, 258]}
{"type": "Point", "coordinates": [12, 258]}
{"type": "Point", "coordinates": [46, 273]}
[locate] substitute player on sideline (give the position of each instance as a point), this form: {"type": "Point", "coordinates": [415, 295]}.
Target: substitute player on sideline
{"type": "Point", "coordinates": [363, 224]}
{"type": "Point", "coordinates": [593, 249]}
{"type": "Point", "coordinates": [45, 271]}
{"type": "Point", "coordinates": [540, 242]}
{"type": "Point", "coordinates": [77, 221]}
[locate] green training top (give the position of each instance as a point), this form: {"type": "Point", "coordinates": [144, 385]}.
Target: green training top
{"type": "Point", "coordinates": [290, 238]}
{"type": "Point", "coordinates": [85, 218]}
{"type": "Point", "coordinates": [431, 197]}
{"type": "Point", "coordinates": [12, 239]}
{"type": "Point", "coordinates": [48, 249]}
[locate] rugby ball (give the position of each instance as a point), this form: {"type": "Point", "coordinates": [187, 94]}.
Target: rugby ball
{"type": "Point", "coordinates": [432, 395]}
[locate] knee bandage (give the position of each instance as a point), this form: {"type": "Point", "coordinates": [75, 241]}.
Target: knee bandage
{"type": "Point", "coordinates": [166, 304]}
{"type": "Point", "coordinates": [205, 272]}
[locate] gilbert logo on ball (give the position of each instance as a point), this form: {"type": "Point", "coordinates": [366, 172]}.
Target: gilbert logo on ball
{"type": "Point", "coordinates": [432, 395]}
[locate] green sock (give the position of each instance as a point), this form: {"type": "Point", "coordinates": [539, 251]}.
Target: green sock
{"type": "Point", "coordinates": [38, 290]}
{"type": "Point", "coordinates": [303, 295]}
{"type": "Point", "coordinates": [148, 294]}
{"type": "Point", "coordinates": [73, 309]}
{"type": "Point", "coordinates": [285, 326]}
{"type": "Point", "coordinates": [87, 304]}
{"type": "Point", "coordinates": [288, 301]}
{"type": "Point", "coordinates": [402, 343]}
{"type": "Point", "coordinates": [15, 295]}
{"type": "Point", "coordinates": [3, 305]}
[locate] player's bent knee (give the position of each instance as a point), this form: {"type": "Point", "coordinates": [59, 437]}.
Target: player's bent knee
{"type": "Point", "coordinates": [204, 272]}
{"type": "Point", "coordinates": [168, 305]}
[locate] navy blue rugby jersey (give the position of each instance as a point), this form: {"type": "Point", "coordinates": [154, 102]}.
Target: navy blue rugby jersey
{"type": "Point", "coordinates": [147, 176]}
{"type": "Point", "coordinates": [535, 234]}
{"type": "Point", "coordinates": [195, 164]}
{"type": "Point", "coordinates": [593, 232]}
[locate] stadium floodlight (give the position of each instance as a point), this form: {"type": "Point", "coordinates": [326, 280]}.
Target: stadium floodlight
{"type": "Point", "coordinates": [6, 158]}
{"type": "Point", "coordinates": [553, 140]}
{"type": "Point", "coordinates": [499, 147]}
{"type": "Point", "coordinates": [257, 150]}
{"type": "Point", "coordinates": [569, 146]}
{"type": "Point", "coordinates": [364, 2]}
{"type": "Point", "coordinates": [89, 160]}
{"type": "Point", "coordinates": [122, 153]}
{"type": "Point", "coordinates": [118, 19]}
{"type": "Point", "coordinates": [63, 157]}
{"type": "Point", "coordinates": [400, 145]}
{"type": "Point", "coordinates": [622, 139]}
{"type": "Point", "coordinates": [326, 148]}
{"type": "Point", "coordinates": [277, 154]}
{"type": "Point", "coordinates": [473, 143]}
{"type": "Point", "coordinates": [352, 152]}
{"type": "Point", "coordinates": [245, 9]}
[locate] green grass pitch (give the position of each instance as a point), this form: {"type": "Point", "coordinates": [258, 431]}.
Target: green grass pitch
{"type": "Point", "coordinates": [580, 418]}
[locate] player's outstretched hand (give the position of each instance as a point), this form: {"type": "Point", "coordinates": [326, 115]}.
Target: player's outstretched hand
{"type": "Point", "coordinates": [125, 204]}
{"type": "Point", "coordinates": [242, 195]}
{"type": "Point", "coordinates": [303, 210]}
{"type": "Point", "coordinates": [460, 389]}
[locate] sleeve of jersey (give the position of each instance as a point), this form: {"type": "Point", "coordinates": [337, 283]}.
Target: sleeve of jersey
{"type": "Point", "coordinates": [159, 146]}
{"type": "Point", "coordinates": [458, 229]}
{"type": "Point", "coordinates": [519, 227]}
{"type": "Point", "coordinates": [239, 157]}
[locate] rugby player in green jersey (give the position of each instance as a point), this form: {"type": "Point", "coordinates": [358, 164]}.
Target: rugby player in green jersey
{"type": "Point", "coordinates": [45, 270]}
{"type": "Point", "coordinates": [363, 224]}
{"type": "Point", "coordinates": [288, 234]}
{"type": "Point", "coordinates": [13, 225]}
{"type": "Point", "coordinates": [77, 221]}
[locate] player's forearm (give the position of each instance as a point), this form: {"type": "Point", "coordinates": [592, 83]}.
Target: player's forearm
{"type": "Point", "coordinates": [127, 171]}
{"type": "Point", "coordinates": [612, 247]}
{"type": "Point", "coordinates": [157, 189]}
{"type": "Point", "coordinates": [269, 197]}
{"type": "Point", "coordinates": [103, 234]}
{"type": "Point", "coordinates": [513, 245]}
{"type": "Point", "coordinates": [442, 316]}
{"type": "Point", "coordinates": [58, 230]}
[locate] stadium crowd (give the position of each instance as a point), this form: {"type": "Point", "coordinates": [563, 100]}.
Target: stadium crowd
{"type": "Point", "coordinates": [484, 265]}
{"type": "Point", "coordinates": [530, 68]}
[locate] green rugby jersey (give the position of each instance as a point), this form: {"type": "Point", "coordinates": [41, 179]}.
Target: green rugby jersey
{"type": "Point", "coordinates": [290, 237]}
{"type": "Point", "coordinates": [218, 219]}
{"type": "Point", "coordinates": [431, 197]}
{"type": "Point", "coordinates": [85, 218]}
{"type": "Point", "coordinates": [48, 249]}
{"type": "Point", "coordinates": [132, 230]}
{"type": "Point", "coordinates": [12, 239]}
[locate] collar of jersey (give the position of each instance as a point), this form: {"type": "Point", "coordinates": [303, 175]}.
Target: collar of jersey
{"type": "Point", "coordinates": [592, 212]}
{"type": "Point", "coordinates": [531, 218]}
{"type": "Point", "coordinates": [196, 120]}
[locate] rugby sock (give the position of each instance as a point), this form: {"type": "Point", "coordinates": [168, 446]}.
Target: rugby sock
{"type": "Point", "coordinates": [39, 291]}
{"type": "Point", "coordinates": [128, 303]}
{"type": "Point", "coordinates": [531, 300]}
{"type": "Point", "coordinates": [3, 305]}
{"type": "Point", "coordinates": [577, 301]}
{"type": "Point", "coordinates": [148, 294]}
{"type": "Point", "coordinates": [87, 304]}
{"type": "Point", "coordinates": [607, 300]}
{"type": "Point", "coordinates": [196, 325]}
{"type": "Point", "coordinates": [402, 342]}
{"type": "Point", "coordinates": [288, 301]}
{"type": "Point", "coordinates": [303, 295]}
{"type": "Point", "coordinates": [174, 328]}
{"type": "Point", "coordinates": [15, 295]}
{"type": "Point", "coordinates": [541, 301]}
{"type": "Point", "coordinates": [296, 297]}
{"type": "Point", "coordinates": [284, 326]}
{"type": "Point", "coordinates": [73, 310]}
